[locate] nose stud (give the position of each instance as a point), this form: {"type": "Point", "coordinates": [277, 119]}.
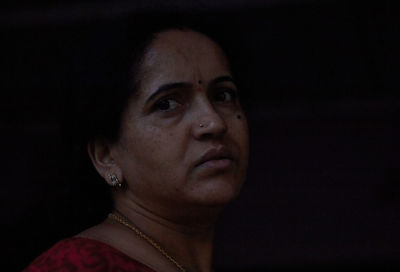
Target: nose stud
{"type": "Point", "coordinates": [201, 125]}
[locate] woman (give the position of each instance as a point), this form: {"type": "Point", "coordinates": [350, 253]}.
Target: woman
{"type": "Point", "coordinates": [178, 155]}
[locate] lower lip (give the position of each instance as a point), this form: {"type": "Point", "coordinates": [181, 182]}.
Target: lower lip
{"type": "Point", "coordinates": [220, 164]}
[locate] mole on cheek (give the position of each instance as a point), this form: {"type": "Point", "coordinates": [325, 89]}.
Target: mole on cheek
{"type": "Point", "coordinates": [238, 116]}
{"type": "Point", "coordinates": [200, 82]}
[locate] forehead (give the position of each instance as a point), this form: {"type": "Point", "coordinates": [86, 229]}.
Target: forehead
{"type": "Point", "coordinates": [177, 55]}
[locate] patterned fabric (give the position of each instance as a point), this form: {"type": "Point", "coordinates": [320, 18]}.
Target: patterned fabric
{"type": "Point", "coordinates": [82, 254]}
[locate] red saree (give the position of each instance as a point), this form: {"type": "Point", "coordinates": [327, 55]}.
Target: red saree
{"type": "Point", "coordinates": [86, 255]}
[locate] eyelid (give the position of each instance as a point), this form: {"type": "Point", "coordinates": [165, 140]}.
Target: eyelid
{"type": "Point", "coordinates": [232, 91]}
{"type": "Point", "coordinates": [226, 86]}
{"type": "Point", "coordinates": [173, 95]}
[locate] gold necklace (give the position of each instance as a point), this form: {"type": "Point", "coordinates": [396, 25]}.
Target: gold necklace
{"type": "Point", "coordinates": [147, 238]}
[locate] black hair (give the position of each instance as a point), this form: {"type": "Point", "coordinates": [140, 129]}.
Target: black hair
{"type": "Point", "coordinates": [107, 71]}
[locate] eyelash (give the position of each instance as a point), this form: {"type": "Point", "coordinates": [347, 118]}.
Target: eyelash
{"type": "Point", "coordinates": [166, 102]}
{"type": "Point", "coordinates": [232, 93]}
{"type": "Point", "coordinates": [158, 106]}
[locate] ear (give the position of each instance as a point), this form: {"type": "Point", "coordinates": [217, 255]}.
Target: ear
{"type": "Point", "coordinates": [101, 155]}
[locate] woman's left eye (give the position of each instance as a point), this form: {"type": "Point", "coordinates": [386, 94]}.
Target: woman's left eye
{"type": "Point", "coordinates": [225, 96]}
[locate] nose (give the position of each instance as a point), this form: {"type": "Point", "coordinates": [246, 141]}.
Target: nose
{"type": "Point", "coordinates": [209, 123]}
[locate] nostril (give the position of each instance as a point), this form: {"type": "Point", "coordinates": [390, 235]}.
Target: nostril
{"type": "Point", "coordinates": [208, 129]}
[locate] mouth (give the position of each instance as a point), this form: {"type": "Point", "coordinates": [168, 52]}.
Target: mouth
{"type": "Point", "coordinates": [216, 158]}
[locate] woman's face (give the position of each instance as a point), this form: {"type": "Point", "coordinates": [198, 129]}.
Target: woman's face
{"type": "Point", "coordinates": [184, 138]}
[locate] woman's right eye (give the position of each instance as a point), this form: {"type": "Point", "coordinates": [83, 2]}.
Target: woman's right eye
{"type": "Point", "coordinates": [167, 104]}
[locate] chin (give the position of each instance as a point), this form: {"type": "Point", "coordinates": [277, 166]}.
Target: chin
{"type": "Point", "coordinates": [218, 191]}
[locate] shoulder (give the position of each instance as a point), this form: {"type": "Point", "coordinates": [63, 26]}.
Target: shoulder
{"type": "Point", "coordinates": [83, 254]}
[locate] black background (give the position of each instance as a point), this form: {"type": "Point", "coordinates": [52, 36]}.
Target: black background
{"type": "Point", "coordinates": [323, 185]}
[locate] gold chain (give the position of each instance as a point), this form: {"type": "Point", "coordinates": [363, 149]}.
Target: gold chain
{"type": "Point", "coordinates": [144, 236]}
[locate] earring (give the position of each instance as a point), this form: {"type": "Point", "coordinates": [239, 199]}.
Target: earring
{"type": "Point", "coordinates": [114, 180]}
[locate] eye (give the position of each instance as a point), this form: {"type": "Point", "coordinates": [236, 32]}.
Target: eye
{"type": "Point", "coordinates": [225, 96]}
{"type": "Point", "coordinates": [167, 104]}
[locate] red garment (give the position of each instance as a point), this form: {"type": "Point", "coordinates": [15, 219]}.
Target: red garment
{"type": "Point", "coordinates": [82, 254]}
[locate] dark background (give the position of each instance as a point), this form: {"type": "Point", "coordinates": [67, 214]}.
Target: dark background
{"type": "Point", "coordinates": [323, 187]}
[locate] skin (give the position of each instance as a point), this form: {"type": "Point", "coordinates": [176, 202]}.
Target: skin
{"type": "Point", "coordinates": [166, 192]}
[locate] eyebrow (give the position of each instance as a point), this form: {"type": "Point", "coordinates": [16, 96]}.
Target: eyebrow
{"type": "Point", "coordinates": [222, 79]}
{"type": "Point", "coordinates": [167, 87]}
{"type": "Point", "coordinates": [177, 85]}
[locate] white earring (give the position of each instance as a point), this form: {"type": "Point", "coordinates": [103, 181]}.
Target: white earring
{"type": "Point", "coordinates": [114, 180]}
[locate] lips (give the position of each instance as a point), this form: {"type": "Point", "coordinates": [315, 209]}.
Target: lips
{"type": "Point", "coordinates": [216, 157]}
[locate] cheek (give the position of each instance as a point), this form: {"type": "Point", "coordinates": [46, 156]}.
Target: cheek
{"type": "Point", "coordinates": [153, 147]}
{"type": "Point", "coordinates": [239, 134]}
{"type": "Point", "coordinates": [237, 123]}
{"type": "Point", "coordinates": [140, 145]}
{"type": "Point", "coordinates": [150, 157]}
{"type": "Point", "coordinates": [144, 139]}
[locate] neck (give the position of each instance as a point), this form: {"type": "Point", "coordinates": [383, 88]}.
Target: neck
{"type": "Point", "coordinates": [188, 239]}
